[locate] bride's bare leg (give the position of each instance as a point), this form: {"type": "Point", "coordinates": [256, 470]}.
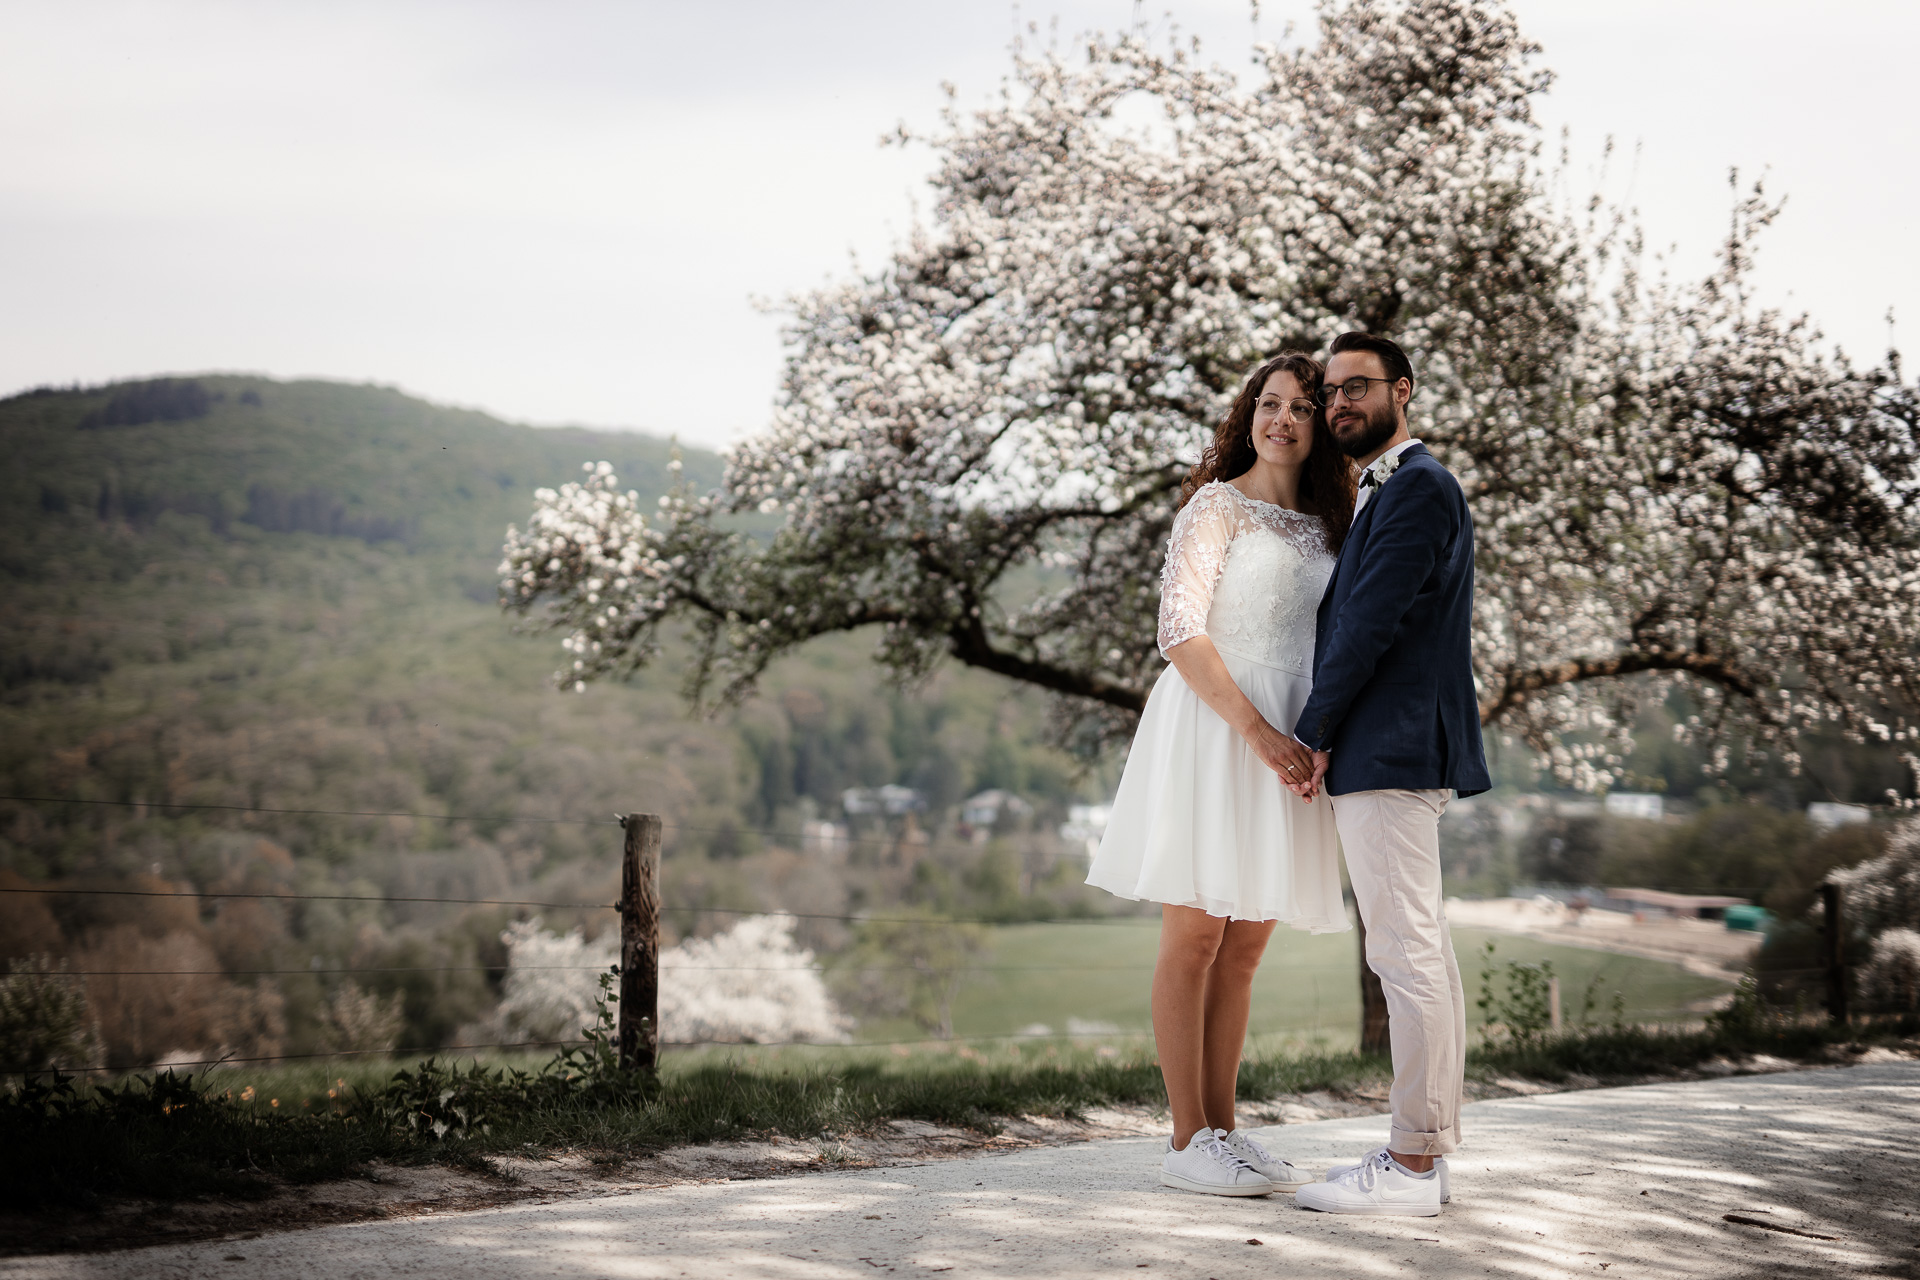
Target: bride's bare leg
{"type": "Point", "coordinates": [1229, 1003]}
{"type": "Point", "coordinates": [1189, 942]}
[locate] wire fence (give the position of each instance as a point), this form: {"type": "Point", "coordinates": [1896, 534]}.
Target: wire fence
{"type": "Point", "coordinates": [1779, 978]}
{"type": "Point", "coordinates": [680, 909]}
{"type": "Point", "coordinates": [168, 808]}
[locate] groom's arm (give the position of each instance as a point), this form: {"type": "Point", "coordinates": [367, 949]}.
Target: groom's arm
{"type": "Point", "coordinates": [1409, 531]}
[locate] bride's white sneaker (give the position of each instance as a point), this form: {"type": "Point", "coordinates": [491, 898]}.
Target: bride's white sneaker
{"type": "Point", "coordinates": [1376, 1185]}
{"type": "Point", "coordinates": [1439, 1167]}
{"type": "Point", "coordinates": [1282, 1175]}
{"type": "Point", "coordinates": [1208, 1165]}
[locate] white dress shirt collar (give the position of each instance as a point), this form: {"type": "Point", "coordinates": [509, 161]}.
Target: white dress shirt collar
{"type": "Point", "coordinates": [1360, 499]}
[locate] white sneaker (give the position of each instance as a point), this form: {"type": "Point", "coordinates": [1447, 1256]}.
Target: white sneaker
{"type": "Point", "coordinates": [1209, 1166]}
{"type": "Point", "coordinates": [1375, 1186]}
{"type": "Point", "coordinates": [1439, 1166]}
{"type": "Point", "coordinates": [1282, 1175]}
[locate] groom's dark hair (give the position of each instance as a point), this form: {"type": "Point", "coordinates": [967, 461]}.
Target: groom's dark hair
{"type": "Point", "coordinates": [1391, 356]}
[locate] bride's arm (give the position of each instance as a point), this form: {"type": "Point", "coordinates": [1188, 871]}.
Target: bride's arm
{"type": "Point", "coordinates": [1200, 665]}
{"type": "Point", "coordinates": [1196, 555]}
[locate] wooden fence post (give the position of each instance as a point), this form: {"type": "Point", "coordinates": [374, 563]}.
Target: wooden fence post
{"type": "Point", "coordinates": [1834, 936]}
{"type": "Point", "coordinates": [640, 943]}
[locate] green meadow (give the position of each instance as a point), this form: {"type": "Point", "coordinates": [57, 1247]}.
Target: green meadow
{"type": "Point", "coordinates": [1089, 977]}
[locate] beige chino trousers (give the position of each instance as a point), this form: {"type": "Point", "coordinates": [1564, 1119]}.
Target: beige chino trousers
{"type": "Point", "coordinates": [1392, 844]}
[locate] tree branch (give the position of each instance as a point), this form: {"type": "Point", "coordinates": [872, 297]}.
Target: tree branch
{"type": "Point", "coordinates": [1520, 684]}
{"type": "Point", "coordinates": [971, 646]}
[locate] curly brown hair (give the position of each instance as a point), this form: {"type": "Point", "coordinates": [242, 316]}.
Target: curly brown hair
{"type": "Point", "coordinates": [1327, 483]}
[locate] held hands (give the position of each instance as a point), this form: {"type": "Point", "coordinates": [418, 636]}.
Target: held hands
{"type": "Point", "coordinates": [1321, 759]}
{"type": "Point", "coordinates": [1287, 758]}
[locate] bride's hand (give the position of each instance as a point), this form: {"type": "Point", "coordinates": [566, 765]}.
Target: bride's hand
{"type": "Point", "coordinates": [1286, 757]}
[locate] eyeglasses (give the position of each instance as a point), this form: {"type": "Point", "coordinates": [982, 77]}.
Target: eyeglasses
{"type": "Point", "coordinates": [1354, 389]}
{"type": "Point", "coordinates": [1297, 410]}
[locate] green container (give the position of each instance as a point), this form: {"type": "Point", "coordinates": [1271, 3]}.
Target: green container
{"type": "Point", "coordinates": [1748, 919]}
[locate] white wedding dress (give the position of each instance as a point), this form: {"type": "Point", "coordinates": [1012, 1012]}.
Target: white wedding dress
{"type": "Point", "coordinates": [1199, 821]}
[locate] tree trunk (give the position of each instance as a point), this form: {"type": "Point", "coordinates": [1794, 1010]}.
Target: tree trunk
{"type": "Point", "coordinates": [1373, 1002]}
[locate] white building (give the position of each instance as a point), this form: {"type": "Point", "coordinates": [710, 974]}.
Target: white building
{"type": "Point", "coordinates": [984, 809]}
{"type": "Point", "coordinates": [1086, 823]}
{"type": "Point", "coordinates": [891, 800]}
{"type": "Point", "coordinates": [1827, 815]}
{"type": "Point", "coordinates": [1635, 804]}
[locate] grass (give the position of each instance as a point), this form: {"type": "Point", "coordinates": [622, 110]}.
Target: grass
{"type": "Point", "coordinates": [236, 1132]}
{"type": "Point", "coordinates": [221, 1134]}
{"type": "Point", "coordinates": [1064, 976]}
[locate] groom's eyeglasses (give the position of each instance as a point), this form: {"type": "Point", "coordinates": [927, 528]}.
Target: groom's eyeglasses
{"type": "Point", "coordinates": [1296, 410]}
{"type": "Point", "coordinates": [1354, 389]}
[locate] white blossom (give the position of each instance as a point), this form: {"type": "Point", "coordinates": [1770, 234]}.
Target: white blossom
{"type": "Point", "coordinates": [979, 447]}
{"type": "Point", "coordinates": [749, 984]}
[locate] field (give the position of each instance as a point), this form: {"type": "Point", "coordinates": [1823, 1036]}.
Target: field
{"type": "Point", "coordinates": [1093, 978]}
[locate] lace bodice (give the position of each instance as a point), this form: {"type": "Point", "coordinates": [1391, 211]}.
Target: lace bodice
{"type": "Point", "coordinates": [1246, 574]}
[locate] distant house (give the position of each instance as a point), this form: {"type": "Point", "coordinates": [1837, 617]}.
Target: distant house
{"type": "Point", "coordinates": [823, 837]}
{"type": "Point", "coordinates": [1685, 906]}
{"type": "Point", "coordinates": [1635, 804]}
{"type": "Point", "coordinates": [1085, 824]}
{"type": "Point", "coordinates": [985, 808]}
{"type": "Point", "coordinates": [890, 800]}
{"type": "Point", "coordinates": [1827, 815]}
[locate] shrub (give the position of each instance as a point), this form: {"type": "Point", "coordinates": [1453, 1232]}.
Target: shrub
{"type": "Point", "coordinates": [357, 1020]}
{"type": "Point", "coordinates": [550, 984]}
{"type": "Point", "coordinates": [1890, 982]}
{"type": "Point", "coordinates": [750, 985]}
{"type": "Point", "coordinates": [44, 1019]}
{"type": "Point", "coordinates": [1884, 893]}
{"type": "Point", "coordinates": [166, 998]}
{"type": "Point", "coordinates": [910, 966]}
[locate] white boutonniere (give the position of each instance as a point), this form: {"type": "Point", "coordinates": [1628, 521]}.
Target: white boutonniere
{"type": "Point", "coordinates": [1382, 469]}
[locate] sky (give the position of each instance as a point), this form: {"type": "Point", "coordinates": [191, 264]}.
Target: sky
{"type": "Point", "coordinates": [587, 212]}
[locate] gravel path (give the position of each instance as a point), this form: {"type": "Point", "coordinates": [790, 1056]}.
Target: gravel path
{"type": "Point", "coordinates": [1802, 1173]}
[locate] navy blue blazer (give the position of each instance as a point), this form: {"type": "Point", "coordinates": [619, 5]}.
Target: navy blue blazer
{"type": "Point", "coordinates": [1393, 695]}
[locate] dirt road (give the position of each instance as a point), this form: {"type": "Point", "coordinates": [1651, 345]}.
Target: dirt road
{"type": "Point", "coordinates": [1804, 1173]}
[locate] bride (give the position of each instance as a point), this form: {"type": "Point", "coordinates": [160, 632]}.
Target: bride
{"type": "Point", "coordinates": [1215, 816]}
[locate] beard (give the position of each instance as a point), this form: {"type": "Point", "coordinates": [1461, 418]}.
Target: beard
{"type": "Point", "coordinates": [1376, 427]}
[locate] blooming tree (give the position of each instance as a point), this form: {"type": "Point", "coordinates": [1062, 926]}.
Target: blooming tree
{"type": "Point", "coordinates": [978, 449]}
{"type": "Point", "coordinates": [1883, 909]}
{"type": "Point", "coordinates": [749, 984]}
{"type": "Point", "coordinates": [1883, 893]}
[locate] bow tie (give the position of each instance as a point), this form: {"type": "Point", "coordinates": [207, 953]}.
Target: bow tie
{"type": "Point", "coordinates": [1369, 479]}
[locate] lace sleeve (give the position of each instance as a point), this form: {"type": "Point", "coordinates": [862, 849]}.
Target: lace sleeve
{"type": "Point", "coordinates": [1196, 553]}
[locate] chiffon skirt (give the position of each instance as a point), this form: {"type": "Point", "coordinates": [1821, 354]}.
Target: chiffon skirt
{"type": "Point", "coordinates": [1200, 822]}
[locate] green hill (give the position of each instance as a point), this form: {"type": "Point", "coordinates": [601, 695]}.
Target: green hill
{"type": "Point", "coordinates": [268, 595]}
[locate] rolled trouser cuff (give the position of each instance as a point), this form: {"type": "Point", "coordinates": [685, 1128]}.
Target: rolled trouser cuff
{"type": "Point", "coordinates": [1406, 1142]}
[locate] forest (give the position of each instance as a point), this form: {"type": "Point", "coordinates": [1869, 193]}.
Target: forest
{"type": "Point", "coordinates": [236, 592]}
{"type": "Point", "coordinates": [233, 596]}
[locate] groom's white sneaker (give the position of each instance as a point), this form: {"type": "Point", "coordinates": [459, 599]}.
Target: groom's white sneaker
{"type": "Point", "coordinates": [1282, 1175]}
{"type": "Point", "coordinates": [1439, 1167]}
{"type": "Point", "coordinates": [1377, 1185]}
{"type": "Point", "coordinates": [1208, 1165]}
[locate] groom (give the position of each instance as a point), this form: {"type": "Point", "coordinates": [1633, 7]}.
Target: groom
{"type": "Point", "coordinates": [1394, 725]}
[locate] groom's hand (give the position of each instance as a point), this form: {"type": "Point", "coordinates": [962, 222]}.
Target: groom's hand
{"type": "Point", "coordinates": [1321, 760]}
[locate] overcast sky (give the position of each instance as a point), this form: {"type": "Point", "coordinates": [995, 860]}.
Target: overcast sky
{"type": "Point", "coordinates": [563, 212]}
